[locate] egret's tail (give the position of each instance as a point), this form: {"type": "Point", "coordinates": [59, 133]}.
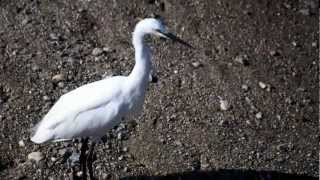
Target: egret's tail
{"type": "Point", "coordinates": [40, 135]}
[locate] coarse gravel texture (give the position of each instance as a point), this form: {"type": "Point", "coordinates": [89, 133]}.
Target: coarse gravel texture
{"type": "Point", "coordinates": [260, 57]}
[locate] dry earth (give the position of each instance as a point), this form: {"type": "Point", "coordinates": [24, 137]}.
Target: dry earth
{"type": "Point", "coordinates": [259, 56]}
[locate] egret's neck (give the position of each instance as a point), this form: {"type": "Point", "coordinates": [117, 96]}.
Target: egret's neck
{"type": "Point", "coordinates": [142, 67]}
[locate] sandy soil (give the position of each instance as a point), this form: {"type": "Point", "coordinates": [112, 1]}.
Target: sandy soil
{"type": "Point", "coordinates": [259, 56]}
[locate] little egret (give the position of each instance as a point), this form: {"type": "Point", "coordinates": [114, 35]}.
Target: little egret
{"type": "Point", "coordinates": [90, 110]}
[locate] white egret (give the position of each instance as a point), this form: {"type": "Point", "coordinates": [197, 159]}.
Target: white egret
{"type": "Point", "coordinates": [92, 109]}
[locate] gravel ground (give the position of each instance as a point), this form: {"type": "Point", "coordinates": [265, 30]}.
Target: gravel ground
{"type": "Point", "coordinates": [242, 105]}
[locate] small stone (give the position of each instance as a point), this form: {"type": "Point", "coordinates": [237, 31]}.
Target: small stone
{"type": "Point", "coordinates": [46, 98]}
{"type": "Point", "coordinates": [97, 51]}
{"type": "Point", "coordinates": [58, 78]}
{"type": "Point", "coordinates": [35, 156]}
{"type": "Point", "coordinates": [126, 169]}
{"type": "Point", "coordinates": [60, 84]}
{"type": "Point", "coordinates": [62, 152]}
{"type": "Point", "coordinates": [21, 143]}
{"type": "Point", "coordinates": [53, 159]}
{"type": "Point", "coordinates": [314, 44]}
{"type": "Point", "coordinates": [125, 149]}
{"type": "Point", "coordinates": [178, 143]}
{"type": "Point", "coordinates": [196, 64]}
{"type": "Point", "coordinates": [120, 158]}
{"type": "Point", "coordinates": [274, 53]}
{"type": "Point", "coordinates": [305, 12]}
{"type": "Point", "coordinates": [262, 85]}
{"type": "Point", "coordinates": [259, 115]}
{"type": "Point", "coordinates": [79, 173]}
{"type": "Point", "coordinates": [53, 36]}
{"type": "Point", "coordinates": [224, 105]}
{"type": "Point", "coordinates": [242, 59]}
{"type": "Point", "coordinates": [35, 68]}
{"type": "Point", "coordinates": [119, 136]}
{"type": "Point", "coordinates": [286, 5]}
{"type": "Point", "coordinates": [294, 43]}
{"type": "Point", "coordinates": [25, 21]}
{"type": "Point", "coordinates": [106, 49]}
{"type": "Point", "coordinates": [245, 87]}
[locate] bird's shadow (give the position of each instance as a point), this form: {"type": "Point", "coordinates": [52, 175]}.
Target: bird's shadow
{"type": "Point", "coordinates": [225, 174]}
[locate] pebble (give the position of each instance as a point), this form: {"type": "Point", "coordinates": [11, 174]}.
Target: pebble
{"type": "Point", "coordinates": [53, 159]}
{"type": "Point", "coordinates": [35, 68]}
{"type": "Point", "coordinates": [46, 98]}
{"type": "Point", "coordinates": [119, 136]}
{"type": "Point", "coordinates": [242, 59]}
{"type": "Point", "coordinates": [305, 12]}
{"type": "Point", "coordinates": [21, 143]}
{"type": "Point", "coordinates": [245, 87]}
{"type": "Point", "coordinates": [58, 77]}
{"type": "Point", "coordinates": [273, 53]}
{"type": "Point", "coordinates": [178, 143]}
{"type": "Point", "coordinates": [106, 49]}
{"type": "Point", "coordinates": [126, 169]}
{"type": "Point", "coordinates": [224, 105]}
{"type": "Point", "coordinates": [25, 21]}
{"type": "Point", "coordinates": [120, 158]}
{"type": "Point", "coordinates": [53, 36]}
{"type": "Point", "coordinates": [259, 115]}
{"type": "Point", "coordinates": [61, 84]}
{"type": "Point", "coordinates": [35, 156]}
{"type": "Point", "coordinates": [262, 85]}
{"type": "Point", "coordinates": [97, 51]}
{"type": "Point", "coordinates": [196, 64]}
{"type": "Point", "coordinates": [314, 44]}
{"type": "Point", "coordinates": [294, 43]}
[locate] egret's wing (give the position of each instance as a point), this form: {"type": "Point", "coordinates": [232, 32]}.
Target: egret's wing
{"type": "Point", "coordinates": [82, 99]}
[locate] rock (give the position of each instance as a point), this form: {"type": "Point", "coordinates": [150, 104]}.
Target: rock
{"type": "Point", "coordinates": [196, 64]}
{"type": "Point", "coordinates": [242, 59]}
{"type": "Point", "coordinates": [21, 143]}
{"type": "Point", "coordinates": [106, 49]}
{"type": "Point", "coordinates": [274, 53]}
{"type": "Point", "coordinates": [314, 44]}
{"type": "Point", "coordinates": [58, 78]}
{"type": "Point", "coordinates": [97, 51]}
{"type": "Point", "coordinates": [262, 85]}
{"type": "Point", "coordinates": [119, 136]}
{"type": "Point", "coordinates": [224, 105]}
{"type": "Point", "coordinates": [245, 87]}
{"type": "Point", "coordinates": [305, 12]}
{"type": "Point", "coordinates": [126, 169]}
{"type": "Point", "coordinates": [53, 36]}
{"type": "Point", "coordinates": [61, 85]}
{"type": "Point", "coordinates": [294, 43]}
{"type": "Point", "coordinates": [25, 21]}
{"type": "Point", "coordinates": [35, 156]}
{"type": "Point", "coordinates": [46, 98]}
{"type": "Point", "coordinates": [259, 115]}
{"type": "Point", "coordinates": [35, 67]}
{"type": "Point", "coordinates": [178, 143]}
{"type": "Point", "coordinates": [53, 159]}
{"type": "Point", "coordinates": [120, 158]}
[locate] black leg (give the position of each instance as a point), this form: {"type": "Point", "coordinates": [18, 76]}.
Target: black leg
{"type": "Point", "coordinates": [90, 161]}
{"type": "Point", "coordinates": [83, 158]}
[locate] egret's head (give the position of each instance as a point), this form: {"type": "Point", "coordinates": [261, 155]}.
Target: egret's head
{"type": "Point", "coordinates": [156, 27]}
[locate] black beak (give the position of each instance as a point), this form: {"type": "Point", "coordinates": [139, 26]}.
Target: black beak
{"type": "Point", "coordinates": [173, 38]}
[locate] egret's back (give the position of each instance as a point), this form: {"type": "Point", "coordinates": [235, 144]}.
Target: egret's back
{"type": "Point", "coordinates": [70, 110]}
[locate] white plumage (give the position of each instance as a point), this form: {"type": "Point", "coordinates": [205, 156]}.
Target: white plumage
{"type": "Point", "coordinates": [92, 109]}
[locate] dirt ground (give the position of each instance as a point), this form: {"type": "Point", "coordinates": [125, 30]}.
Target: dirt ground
{"type": "Point", "coordinates": [261, 57]}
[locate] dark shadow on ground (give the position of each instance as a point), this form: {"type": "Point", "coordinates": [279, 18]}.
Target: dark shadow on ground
{"type": "Point", "coordinates": [225, 175]}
